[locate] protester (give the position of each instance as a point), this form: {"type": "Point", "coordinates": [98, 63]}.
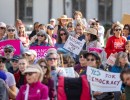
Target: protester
{"type": "Point", "coordinates": [8, 54]}
{"type": "Point", "coordinates": [127, 49]}
{"type": "Point", "coordinates": [12, 35]}
{"type": "Point", "coordinates": [22, 35]}
{"type": "Point", "coordinates": [52, 22]}
{"type": "Point", "coordinates": [31, 55]}
{"type": "Point", "coordinates": [35, 30]}
{"type": "Point", "coordinates": [79, 68]}
{"type": "Point", "coordinates": [126, 31]}
{"type": "Point", "coordinates": [14, 62]}
{"type": "Point", "coordinates": [115, 43]}
{"type": "Point", "coordinates": [62, 37]}
{"type": "Point", "coordinates": [41, 39]}
{"type": "Point", "coordinates": [10, 81]}
{"type": "Point", "coordinates": [63, 21]}
{"type": "Point", "coordinates": [19, 76]}
{"type": "Point", "coordinates": [47, 80]}
{"type": "Point", "coordinates": [120, 63]}
{"type": "Point", "coordinates": [42, 27]}
{"type": "Point", "coordinates": [70, 29]}
{"type": "Point", "coordinates": [2, 30]}
{"type": "Point", "coordinates": [18, 23]}
{"type": "Point", "coordinates": [125, 77]}
{"type": "Point", "coordinates": [78, 18]}
{"type": "Point", "coordinates": [34, 89]}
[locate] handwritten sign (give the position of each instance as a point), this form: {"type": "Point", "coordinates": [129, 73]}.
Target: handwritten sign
{"type": "Point", "coordinates": [67, 72]}
{"type": "Point", "coordinates": [74, 45]}
{"type": "Point", "coordinates": [14, 43]}
{"type": "Point", "coordinates": [103, 81]}
{"type": "Point", "coordinates": [126, 19]}
{"type": "Point", "coordinates": [111, 59]}
{"type": "Point", "coordinates": [41, 50]}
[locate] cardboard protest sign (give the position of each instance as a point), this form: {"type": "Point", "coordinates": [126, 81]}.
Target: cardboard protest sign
{"type": "Point", "coordinates": [41, 50]}
{"type": "Point", "coordinates": [14, 43]}
{"type": "Point", "coordinates": [67, 72]}
{"type": "Point", "coordinates": [74, 45]}
{"type": "Point", "coordinates": [103, 81]}
{"type": "Point", "coordinates": [126, 19]}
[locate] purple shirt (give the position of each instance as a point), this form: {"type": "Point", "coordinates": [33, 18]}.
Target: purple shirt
{"type": "Point", "coordinates": [79, 69]}
{"type": "Point", "coordinates": [37, 91]}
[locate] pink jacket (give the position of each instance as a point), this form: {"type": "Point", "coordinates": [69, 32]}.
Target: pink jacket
{"type": "Point", "coordinates": [37, 91]}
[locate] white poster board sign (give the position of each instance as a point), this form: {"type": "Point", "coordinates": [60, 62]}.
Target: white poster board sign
{"type": "Point", "coordinates": [74, 45]}
{"type": "Point", "coordinates": [103, 81]}
{"type": "Point", "coordinates": [111, 59]}
{"type": "Point", "coordinates": [67, 72]}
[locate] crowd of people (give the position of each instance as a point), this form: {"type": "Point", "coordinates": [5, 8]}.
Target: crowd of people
{"type": "Point", "coordinates": [25, 77]}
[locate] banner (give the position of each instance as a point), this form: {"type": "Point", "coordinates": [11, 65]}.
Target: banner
{"type": "Point", "coordinates": [41, 50]}
{"type": "Point", "coordinates": [74, 45]}
{"type": "Point", "coordinates": [14, 43]}
{"type": "Point", "coordinates": [103, 81]}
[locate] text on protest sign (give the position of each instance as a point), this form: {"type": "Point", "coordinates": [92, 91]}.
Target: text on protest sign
{"type": "Point", "coordinates": [14, 43]}
{"type": "Point", "coordinates": [103, 81]}
{"type": "Point", "coordinates": [74, 45]}
{"type": "Point", "coordinates": [41, 50]}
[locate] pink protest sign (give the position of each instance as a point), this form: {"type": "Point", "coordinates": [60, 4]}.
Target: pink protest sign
{"type": "Point", "coordinates": [98, 50]}
{"type": "Point", "coordinates": [41, 50]}
{"type": "Point", "coordinates": [14, 43]}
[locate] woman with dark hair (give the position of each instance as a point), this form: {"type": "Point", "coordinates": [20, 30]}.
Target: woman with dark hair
{"type": "Point", "coordinates": [62, 37]}
{"type": "Point", "coordinates": [126, 31]}
{"type": "Point", "coordinates": [35, 30]}
{"type": "Point", "coordinates": [47, 80]}
{"type": "Point", "coordinates": [41, 39]}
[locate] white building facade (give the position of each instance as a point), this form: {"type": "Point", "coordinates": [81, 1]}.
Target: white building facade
{"type": "Point", "coordinates": [30, 11]}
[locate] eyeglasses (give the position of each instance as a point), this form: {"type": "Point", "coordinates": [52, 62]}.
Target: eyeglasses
{"type": "Point", "coordinates": [43, 66]}
{"type": "Point", "coordinates": [2, 28]}
{"type": "Point", "coordinates": [28, 55]}
{"type": "Point", "coordinates": [7, 51]}
{"type": "Point", "coordinates": [65, 62]}
{"type": "Point", "coordinates": [63, 34]}
{"type": "Point", "coordinates": [52, 59]}
{"type": "Point", "coordinates": [40, 35]}
{"type": "Point", "coordinates": [11, 30]}
{"type": "Point", "coordinates": [16, 61]}
{"type": "Point", "coordinates": [117, 29]}
{"type": "Point", "coordinates": [70, 26]}
{"type": "Point", "coordinates": [90, 59]}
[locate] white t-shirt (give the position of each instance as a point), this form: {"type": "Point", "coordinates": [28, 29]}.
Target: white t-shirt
{"type": "Point", "coordinates": [10, 81]}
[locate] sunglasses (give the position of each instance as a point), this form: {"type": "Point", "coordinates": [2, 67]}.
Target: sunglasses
{"type": "Point", "coordinates": [2, 28]}
{"type": "Point", "coordinates": [28, 55]}
{"type": "Point", "coordinates": [65, 62]}
{"type": "Point", "coordinates": [43, 66]}
{"type": "Point", "coordinates": [52, 59]}
{"type": "Point", "coordinates": [70, 26]}
{"type": "Point", "coordinates": [117, 29]}
{"type": "Point", "coordinates": [94, 23]}
{"type": "Point", "coordinates": [20, 27]}
{"type": "Point", "coordinates": [51, 28]}
{"type": "Point", "coordinates": [40, 35]}
{"type": "Point", "coordinates": [16, 61]}
{"type": "Point", "coordinates": [90, 59]}
{"type": "Point", "coordinates": [7, 51]}
{"type": "Point", "coordinates": [11, 30]}
{"type": "Point", "coordinates": [63, 34]}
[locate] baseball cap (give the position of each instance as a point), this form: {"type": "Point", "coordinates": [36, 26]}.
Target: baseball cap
{"type": "Point", "coordinates": [2, 24]}
{"type": "Point", "coordinates": [50, 27]}
{"type": "Point", "coordinates": [31, 52]}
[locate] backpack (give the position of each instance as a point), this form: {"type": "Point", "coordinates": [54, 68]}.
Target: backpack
{"type": "Point", "coordinates": [73, 88]}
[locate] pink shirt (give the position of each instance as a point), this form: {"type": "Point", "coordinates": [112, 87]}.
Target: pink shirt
{"type": "Point", "coordinates": [37, 91]}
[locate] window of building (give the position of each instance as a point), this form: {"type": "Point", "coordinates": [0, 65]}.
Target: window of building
{"type": "Point", "coordinates": [79, 5]}
{"type": "Point", "coordinates": [105, 11]}
{"type": "Point", "coordinates": [26, 10]}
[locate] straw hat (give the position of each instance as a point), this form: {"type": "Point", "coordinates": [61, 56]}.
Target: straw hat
{"type": "Point", "coordinates": [92, 31]}
{"type": "Point", "coordinates": [64, 17]}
